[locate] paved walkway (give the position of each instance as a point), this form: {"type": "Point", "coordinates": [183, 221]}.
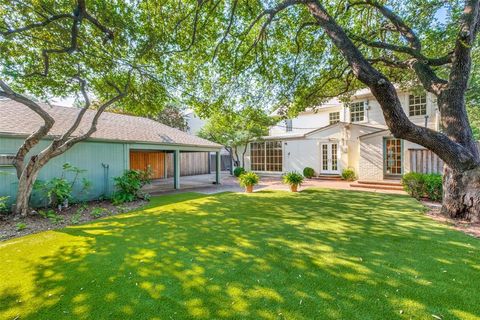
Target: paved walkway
{"type": "Point", "coordinates": [205, 184]}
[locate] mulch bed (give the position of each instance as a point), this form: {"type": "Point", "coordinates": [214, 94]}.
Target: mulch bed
{"type": "Point", "coordinates": [468, 227]}
{"type": "Point", "coordinates": [12, 226]}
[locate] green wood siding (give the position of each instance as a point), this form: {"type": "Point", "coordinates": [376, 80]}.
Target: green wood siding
{"type": "Point", "coordinates": [85, 155]}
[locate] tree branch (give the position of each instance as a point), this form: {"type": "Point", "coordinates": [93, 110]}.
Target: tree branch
{"type": "Point", "coordinates": [35, 137]}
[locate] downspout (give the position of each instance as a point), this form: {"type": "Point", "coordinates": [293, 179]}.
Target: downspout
{"type": "Point", "coordinates": [105, 177]}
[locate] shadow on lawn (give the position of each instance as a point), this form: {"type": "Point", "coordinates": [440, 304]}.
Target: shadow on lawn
{"type": "Point", "coordinates": [269, 255]}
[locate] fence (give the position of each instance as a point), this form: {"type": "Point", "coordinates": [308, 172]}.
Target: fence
{"type": "Point", "coordinates": [191, 163]}
{"type": "Point", "coordinates": [425, 161]}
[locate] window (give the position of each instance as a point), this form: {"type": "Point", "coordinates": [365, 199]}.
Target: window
{"type": "Point", "coordinates": [357, 112]}
{"type": "Point", "coordinates": [417, 105]}
{"type": "Point", "coordinates": [6, 159]}
{"type": "Point", "coordinates": [288, 125]}
{"type": "Point", "coordinates": [266, 156]}
{"type": "Point", "coordinates": [334, 117]}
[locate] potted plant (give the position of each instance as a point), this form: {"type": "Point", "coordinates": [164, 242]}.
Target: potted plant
{"type": "Point", "coordinates": [248, 180]}
{"type": "Point", "coordinates": [294, 179]}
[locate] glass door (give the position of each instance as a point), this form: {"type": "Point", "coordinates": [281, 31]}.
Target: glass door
{"type": "Point", "coordinates": [329, 157]}
{"type": "Point", "coordinates": [392, 157]}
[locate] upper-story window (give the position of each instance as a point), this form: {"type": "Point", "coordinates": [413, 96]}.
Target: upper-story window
{"type": "Point", "coordinates": [357, 112]}
{"type": "Point", "coordinates": [334, 117]}
{"type": "Point", "coordinates": [6, 159]}
{"type": "Point", "coordinates": [417, 105]}
{"type": "Point", "coordinates": [288, 125]}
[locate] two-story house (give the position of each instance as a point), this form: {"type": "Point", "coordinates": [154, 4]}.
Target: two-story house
{"type": "Point", "coordinates": [340, 135]}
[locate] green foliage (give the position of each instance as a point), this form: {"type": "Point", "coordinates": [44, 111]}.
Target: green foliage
{"type": "Point", "coordinates": [419, 185]}
{"type": "Point", "coordinates": [52, 216]}
{"type": "Point", "coordinates": [75, 218]}
{"type": "Point", "coordinates": [348, 174]}
{"type": "Point", "coordinates": [248, 179]}
{"type": "Point", "coordinates": [414, 184]}
{"type": "Point", "coordinates": [238, 171]}
{"type": "Point", "coordinates": [21, 226]}
{"type": "Point", "coordinates": [233, 129]}
{"type": "Point", "coordinates": [4, 203]}
{"type": "Point", "coordinates": [98, 212]}
{"type": "Point", "coordinates": [129, 184]}
{"type": "Point", "coordinates": [308, 172]}
{"type": "Point", "coordinates": [433, 186]}
{"type": "Point", "coordinates": [293, 178]}
{"type": "Point", "coordinates": [59, 191]}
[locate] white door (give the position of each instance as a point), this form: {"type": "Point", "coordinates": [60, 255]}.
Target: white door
{"type": "Point", "coordinates": [329, 152]}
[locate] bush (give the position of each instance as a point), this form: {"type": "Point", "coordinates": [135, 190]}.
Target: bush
{"type": "Point", "coordinates": [414, 184]}
{"type": "Point", "coordinates": [59, 191]}
{"type": "Point", "coordinates": [419, 185]}
{"type": "Point", "coordinates": [433, 186]}
{"type": "Point", "coordinates": [248, 179]}
{"type": "Point", "coordinates": [308, 172]}
{"type": "Point", "coordinates": [3, 203]}
{"type": "Point", "coordinates": [348, 174]}
{"type": "Point", "coordinates": [128, 186]}
{"type": "Point", "coordinates": [238, 171]}
{"type": "Point", "coordinates": [293, 178]}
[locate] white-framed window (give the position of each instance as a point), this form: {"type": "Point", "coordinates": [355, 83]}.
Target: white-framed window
{"type": "Point", "coordinates": [266, 156]}
{"type": "Point", "coordinates": [334, 117]}
{"type": "Point", "coordinates": [357, 111]}
{"type": "Point", "coordinates": [417, 105]}
{"type": "Point", "coordinates": [288, 125]}
{"type": "Point", "coordinates": [6, 159]}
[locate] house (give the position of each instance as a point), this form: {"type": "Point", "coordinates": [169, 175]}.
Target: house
{"type": "Point", "coordinates": [121, 142]}
{"type": "Point", "coordinates": [339, 135]}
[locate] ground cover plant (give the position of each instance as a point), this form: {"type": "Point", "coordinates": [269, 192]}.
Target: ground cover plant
{"type": "Point", "coordinates": [318, 254]}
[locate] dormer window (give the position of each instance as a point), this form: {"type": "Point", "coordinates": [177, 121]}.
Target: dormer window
{"type": "Point", "coordinates": [417, 105]}
{"type": "Point", "coordinates": [334, 117]}
{"type": "Point", "coordinates": [357, 111]}
{"type": "Point", "coordinates": [288, 125]}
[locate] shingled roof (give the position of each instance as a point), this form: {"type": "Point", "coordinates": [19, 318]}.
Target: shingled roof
{"type": "Point", "coordinates": [17, 119]}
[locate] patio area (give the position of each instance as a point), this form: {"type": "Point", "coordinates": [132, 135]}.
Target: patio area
{"type": "Point", "coordinates": [205, 183]}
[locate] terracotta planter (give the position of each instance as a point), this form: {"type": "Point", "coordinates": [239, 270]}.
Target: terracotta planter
{"type": "Point", "coordinates": [294, 187]}
{"type": "Point", "coordinates": [248, 189]}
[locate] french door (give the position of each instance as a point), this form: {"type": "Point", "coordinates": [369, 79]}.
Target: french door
{"type": "Point", "coordinates": [392, 157]}
{"type": "Point", "coordinates": [329, 157]}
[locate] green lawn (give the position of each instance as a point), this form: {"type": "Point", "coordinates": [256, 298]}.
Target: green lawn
{"type": "Point", "coordinates": [318, 254]}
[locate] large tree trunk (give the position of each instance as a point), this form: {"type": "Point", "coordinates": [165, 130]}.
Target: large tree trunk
{"type": "Point", "coordinates": [25, 188]}
{"type": "Point", "coordinates": [461, 194]}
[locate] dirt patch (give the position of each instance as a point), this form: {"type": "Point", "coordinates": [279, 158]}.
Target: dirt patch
{"type": "Point", "coordinates": [465, 226]}
{"type": "Point", "coordinates": [44, 219]}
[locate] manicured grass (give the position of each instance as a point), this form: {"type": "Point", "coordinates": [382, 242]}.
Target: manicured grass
{"type": "Point", "coordinates": [319, 254]}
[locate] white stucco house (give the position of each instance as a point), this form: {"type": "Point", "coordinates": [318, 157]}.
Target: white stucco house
{"type": "Point", "coordinates": [340, 135]}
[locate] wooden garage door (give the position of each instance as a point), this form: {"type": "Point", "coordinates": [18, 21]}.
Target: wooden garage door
{"type": "Point", "coordinates": [140, 160]}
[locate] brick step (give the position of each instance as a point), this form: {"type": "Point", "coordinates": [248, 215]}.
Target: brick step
{"type": "Point", "coordinates": [377, 186]}
{"type": "Point", "coordinates": [328, 177]}
{"type": "Point", "coordinates": [381, 183]}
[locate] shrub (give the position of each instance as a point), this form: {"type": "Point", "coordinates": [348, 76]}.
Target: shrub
{"type": "Point", "coordinates": [3, 204]}
{"type": "Point", "coordinates": [248, 179]}
{"type": "Point", "coordinates": [128, 186]}
{"type": "Point", "coordinates": [52, 216]}
{"type": "Point", "coordinates": [308, 172]}
{"type": "Point", "coordinates": [98, 212]}
{"type": "Point", "coordinates": [238, 171]}
{"type": "Point", "coordinates": [21, 226]}
{"type": "Point", "coordinates": [348, 174]}
{"type": "Point", "coordinates": [414, 184]}
{"type": "Point", "coordinates": [293, 178]}
{"type": "Point", "coordinates": [433, 186]}
{"type": "Point", "coordinates": [59, 191]}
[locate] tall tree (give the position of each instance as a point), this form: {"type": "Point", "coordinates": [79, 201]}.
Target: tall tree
{"type": "Point", "coordinates": [56, 49]}
{"type": "Point", "coordinates": [298, 53]}
{"type": "Point", "coordinates": [236, 129]}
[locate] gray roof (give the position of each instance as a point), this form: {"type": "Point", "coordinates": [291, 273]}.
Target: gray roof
{"type": "Point", "coordinates": [17, 119]}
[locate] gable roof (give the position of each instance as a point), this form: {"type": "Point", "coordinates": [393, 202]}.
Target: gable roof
{"type": "Point", "coordinates": [17, 119]}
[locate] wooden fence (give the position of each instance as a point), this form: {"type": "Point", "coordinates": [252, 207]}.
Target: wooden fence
{"type": "Point", "coordinates": [191, 163]}
{"type": "Point", "coordinates": [425, 161]}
